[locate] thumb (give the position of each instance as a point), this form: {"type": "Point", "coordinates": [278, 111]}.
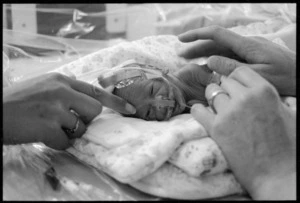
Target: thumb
{"type": "Point", "coordinates": [223, 65]}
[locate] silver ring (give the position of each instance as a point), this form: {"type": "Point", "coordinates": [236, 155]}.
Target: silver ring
{"type": "Point", "coordinates": [213, 96]}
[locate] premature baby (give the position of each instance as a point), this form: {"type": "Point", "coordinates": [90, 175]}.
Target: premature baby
{"type": "Point", "coordinates": [166, 94]}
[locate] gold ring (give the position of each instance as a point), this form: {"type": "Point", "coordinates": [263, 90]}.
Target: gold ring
{"type": "Point", "coordinates": [213, 96]}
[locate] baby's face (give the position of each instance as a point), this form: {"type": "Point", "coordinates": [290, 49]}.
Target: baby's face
{"type": "Point", "coordinates": [143, 95]}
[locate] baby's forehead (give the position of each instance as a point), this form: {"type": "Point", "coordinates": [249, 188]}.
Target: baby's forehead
{"type": "Point", "coordinates": [136, 92]}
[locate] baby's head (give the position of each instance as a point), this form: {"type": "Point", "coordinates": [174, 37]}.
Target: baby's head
{"type": "Point", "coordinates": [155, 98]}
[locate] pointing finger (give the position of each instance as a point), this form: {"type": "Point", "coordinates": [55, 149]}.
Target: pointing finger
{"type": "Point", "coordinates": [112, 101]}
{"type": "Point", "coordinates": [105, 98]}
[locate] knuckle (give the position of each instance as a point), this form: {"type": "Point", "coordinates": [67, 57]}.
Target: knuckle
{"type": "Point", "coordinates": [56, 94]}
{"type": "Point", "coordinates": [217, 30]}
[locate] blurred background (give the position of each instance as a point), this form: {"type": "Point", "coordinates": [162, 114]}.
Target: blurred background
{"type": "Point", "coordinates": [38, 38]}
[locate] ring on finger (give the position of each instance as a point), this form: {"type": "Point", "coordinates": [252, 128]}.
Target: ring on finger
{"type": "Point", "coordinates": [213, 96]}
{"type": "Point", "coordinates": [73, 130]}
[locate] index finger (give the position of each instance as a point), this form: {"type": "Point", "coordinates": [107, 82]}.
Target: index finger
{"type": "Point", "coordinates": [219, 35]}
{"type": "Point", "coordinates": [106, 99]}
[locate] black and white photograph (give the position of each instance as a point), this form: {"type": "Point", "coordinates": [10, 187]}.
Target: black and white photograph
{"type": "Point", "coordinates": [149, 101]}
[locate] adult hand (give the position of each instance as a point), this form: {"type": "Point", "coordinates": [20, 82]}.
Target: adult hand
{"type": "Point", "coordinates": [194, 80]}
{"type": "Point", "coordinates": [256, 133]}
{"type": "Point", "coordinates": [227, 50]}
{"type": "Point", "coordinates": [38, 110]}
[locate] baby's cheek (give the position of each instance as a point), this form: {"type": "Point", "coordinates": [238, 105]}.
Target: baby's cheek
{"type": "Point", "coordinates": [140, 113]}
{"type": "Point", "coordinates": [160, 113]}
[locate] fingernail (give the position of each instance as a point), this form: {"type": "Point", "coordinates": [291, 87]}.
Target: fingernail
{"type": "Point", "coordinates": [130, 108]}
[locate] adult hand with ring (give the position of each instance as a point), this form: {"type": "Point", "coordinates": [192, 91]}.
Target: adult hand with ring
{"type": "Point", "coordinates": [255, 131]}
{"type": "Point", "coordinates": [228, 50]}
{"type": "Point", "coordinates": [211, 93]}
{"type": "Point", "coordinates": [53, 109]}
